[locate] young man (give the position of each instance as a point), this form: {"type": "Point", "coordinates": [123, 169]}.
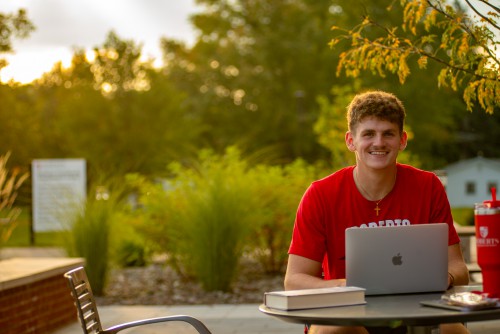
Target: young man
{"type": "Point", "coordinates": [377, 191]}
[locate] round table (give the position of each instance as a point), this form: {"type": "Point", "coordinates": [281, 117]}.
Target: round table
{"type": "Point", "coordinates": [392, 311]}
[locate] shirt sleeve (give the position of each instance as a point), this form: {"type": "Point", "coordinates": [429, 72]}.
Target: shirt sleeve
{"type": "Point", "coordinates": [308, 237]}
{"type": "Point", "coordinates": [441, 212]}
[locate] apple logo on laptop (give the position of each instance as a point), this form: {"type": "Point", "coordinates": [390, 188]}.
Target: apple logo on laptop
{"type": "Point", "coordinates": [397, 260]}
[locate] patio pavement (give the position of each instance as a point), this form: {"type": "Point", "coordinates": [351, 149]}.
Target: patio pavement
{"type": "Point", "coordinates": [220, 319]}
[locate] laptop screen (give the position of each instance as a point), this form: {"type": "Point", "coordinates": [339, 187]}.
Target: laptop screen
{"type": "Point", "coordinates": [398, 259]}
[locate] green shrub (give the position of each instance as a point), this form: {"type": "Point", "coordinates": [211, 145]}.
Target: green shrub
{"type": "Point", "coordinates": [279, 190]}
{"type": "Point", "coordinates": [131, 253]}
{"type": "Point", "coordinates": [215, 209]}
{"type": "Point", "coordinates": [202, 217]}
{"type": "Point", "coordinates": [128, 246]}
{"type": "Point", "coordinates": [155, 216]}
{"type": "Point", "coordinates": [89, 236]}
{"type": "Point", "coordinates": [463, 216]}
{"type": "Point", "coordinates": [213, 232]}
{"type": "Point", "coordinates": [205, 216]}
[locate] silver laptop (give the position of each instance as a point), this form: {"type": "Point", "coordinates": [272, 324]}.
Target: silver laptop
{"type": "Point", "coordinates": [398, 259]}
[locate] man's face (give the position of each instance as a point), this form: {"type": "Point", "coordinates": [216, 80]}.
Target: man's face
{"type": "Point", "coordinates": [376, 142]}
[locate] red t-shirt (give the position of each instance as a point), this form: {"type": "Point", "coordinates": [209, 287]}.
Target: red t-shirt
{"type": "Point", "coordinates": [332, 204]}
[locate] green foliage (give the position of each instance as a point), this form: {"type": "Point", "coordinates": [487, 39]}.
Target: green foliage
{"type": "Point", "coordinates": [331, 125]}
{"type": "Point", "coordinates": [278, 189]}
{"type": "Point", "coordinates": [429, 30]}
{"type": "Point", "coordinates": [258, 77]}
{"type": "Point", "coordinates": [205, 216]}
{"type": "Point", "coordinates": [463, 216]}
{"type": "Point", "coordinates": [202, 219]}
{"type": "Point", "coordinates": [13, 26]}
{"type": "Point", "coordinates": [138, 119]}
{"type": "Point", "coordinates": [10, 182]}
{"type": "Point", "coordinates": [131, 254]}
{"type": "Point", "coordinates": [155, 215]}
{"type": "Point", "coordinates": [90, 233]}
{"type": "Point", "coordinates": [253, 75]}
{"type": "Point", "coordinates": [214, 230]}
{"type": "Point", "coordinates": [21, 234]}
{"type": "Point", "coordinates": [117, 68]}
{"type": "Point", "coordinates": [129, 248]}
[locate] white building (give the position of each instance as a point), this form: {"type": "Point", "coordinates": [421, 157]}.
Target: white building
{"type": "Point", "coordinates": [470, 181]}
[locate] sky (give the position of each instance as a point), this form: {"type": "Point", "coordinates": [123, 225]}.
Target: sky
{"type": "Point", "coordinates": [62, 25]}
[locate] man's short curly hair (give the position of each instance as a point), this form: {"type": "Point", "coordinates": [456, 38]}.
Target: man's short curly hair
{"type": "Point", "coordinates": [382, 105]}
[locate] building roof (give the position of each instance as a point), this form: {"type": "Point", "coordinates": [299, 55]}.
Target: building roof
{"type": "Point", "coordinates": [474, 162]}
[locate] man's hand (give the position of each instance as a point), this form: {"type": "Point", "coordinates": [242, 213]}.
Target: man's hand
{"type": "Point", "coordinates": [304, 273]}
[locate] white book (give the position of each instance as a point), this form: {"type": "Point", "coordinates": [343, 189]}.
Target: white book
{"type": "Point", "coordinates": [314, 298]}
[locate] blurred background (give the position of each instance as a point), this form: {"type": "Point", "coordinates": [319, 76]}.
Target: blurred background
{"type": "Point", "coordinates": [220, 109]}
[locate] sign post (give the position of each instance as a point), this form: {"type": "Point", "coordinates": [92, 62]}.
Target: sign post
{"type": "Point", "coordinates": [59, 187]}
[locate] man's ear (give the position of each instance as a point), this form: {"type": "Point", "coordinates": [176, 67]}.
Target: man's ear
{"type": "Point", "coordinates": [349, 141]}
{"type": "Point", "coordinates": [404, 141]}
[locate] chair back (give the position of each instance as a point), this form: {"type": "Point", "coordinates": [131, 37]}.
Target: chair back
{"type": "Point", "coordinates": [84, 301]}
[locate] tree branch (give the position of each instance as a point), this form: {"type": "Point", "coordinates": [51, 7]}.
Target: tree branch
{"type": "Point", "coordinates": [487, 19]}
{"type": "Point", "coordinates": [390, 33]}
{"type": "Point", "coordinates": [490, 5]}
{"type": "Point", "coordinates": [466, 28]}
{"type": "Point", "coordinates": [416, 50]}
{"type": "Point", "coordinates": [451, 18]}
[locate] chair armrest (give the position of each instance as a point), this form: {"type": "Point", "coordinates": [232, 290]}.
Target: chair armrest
{"type": "Point", "coordinates": [197, 324]}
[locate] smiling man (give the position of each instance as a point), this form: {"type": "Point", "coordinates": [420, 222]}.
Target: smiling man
{"type": "Point", "coordinates": [377, 191]}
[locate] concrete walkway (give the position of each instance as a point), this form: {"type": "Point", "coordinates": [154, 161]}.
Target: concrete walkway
{"type": "Point", "coordinates": [220, 319]}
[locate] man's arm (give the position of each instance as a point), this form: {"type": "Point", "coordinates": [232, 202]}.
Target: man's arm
{"type": "Point", "coordinates": [458, 272]}
{"type": "Point", "coordinates": [304, 273]}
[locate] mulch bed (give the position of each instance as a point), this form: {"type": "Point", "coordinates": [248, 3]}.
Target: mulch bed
{"type": "Point", "coordinates": [159, 284]}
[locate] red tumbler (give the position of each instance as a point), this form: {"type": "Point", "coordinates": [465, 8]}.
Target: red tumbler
{"type": "Point", "coordinates": [487, 221]}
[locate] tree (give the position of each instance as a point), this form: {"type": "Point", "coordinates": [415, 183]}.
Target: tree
{"type": "Point", "coordinates": [16, 25]}
{"type": "Point", "coordinates": [254, 73]}
{"type": "Point", "coordinates": [431, 30]}
{"type": "Point", "coordinates": [117, 67]}
{"type": "Point", "coordinates": [259, 76]}
{"type": "Point", "coordinates": [331, 125]}
{"type": "Point", "coordinates": [257, 69]}
{"type": "Point", "coordinates": [117, 112]}
{"type": "Point", "coordinates": [11, 26]}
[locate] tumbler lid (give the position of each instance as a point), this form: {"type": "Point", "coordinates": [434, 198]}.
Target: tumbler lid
{"type": "Point", "coordinates": [493, 203]}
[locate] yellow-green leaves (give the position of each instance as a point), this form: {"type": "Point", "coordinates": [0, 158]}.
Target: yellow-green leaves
{"type": "Point", "coordinates": [431, 30]}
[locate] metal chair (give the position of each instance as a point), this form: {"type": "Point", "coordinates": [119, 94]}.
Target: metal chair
{"type": "Point", "coordinates": [89, 317]}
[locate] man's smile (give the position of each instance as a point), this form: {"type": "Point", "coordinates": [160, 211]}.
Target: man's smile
{"type": "Point", "coordinates": [378, 152]}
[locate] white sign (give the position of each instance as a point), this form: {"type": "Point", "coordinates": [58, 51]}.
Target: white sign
{"type": "Point", "coordinates": [59, 187]}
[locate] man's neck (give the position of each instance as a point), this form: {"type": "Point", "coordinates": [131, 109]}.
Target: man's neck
{"type": "Point", "coordinates": [375, 184]}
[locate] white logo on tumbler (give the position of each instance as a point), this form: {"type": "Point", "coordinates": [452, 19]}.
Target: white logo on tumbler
{"type": "Point", "coordinates": [483, 231]}
{"type": "Point", "coordinates": [483, 241]}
